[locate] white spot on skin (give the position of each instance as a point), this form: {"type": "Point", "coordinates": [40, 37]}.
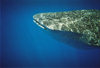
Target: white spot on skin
{"type": "Point", "coordinates": [60, 26]}
{"type": "Point", "coordinates": [51, 27]}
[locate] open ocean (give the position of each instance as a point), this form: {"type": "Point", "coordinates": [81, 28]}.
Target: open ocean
{"type": "Point", "coordinates": [24, 44]}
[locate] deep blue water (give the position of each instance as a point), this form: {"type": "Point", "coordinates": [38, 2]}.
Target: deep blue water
{"type": "Point", "coordinates": [24, 44]}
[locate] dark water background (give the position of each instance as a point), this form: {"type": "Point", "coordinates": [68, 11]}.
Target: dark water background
{"type": "Point", "coordinates": [24, 44]}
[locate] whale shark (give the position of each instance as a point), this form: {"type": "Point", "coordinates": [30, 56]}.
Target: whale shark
{"type": "Point", "coordinates": [78, 28]}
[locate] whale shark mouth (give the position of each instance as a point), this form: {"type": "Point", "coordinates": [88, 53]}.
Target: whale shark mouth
{"type": "Point", "coordinates": [41, 25]}
{"type": "Point", "coordinates": [85, 22]}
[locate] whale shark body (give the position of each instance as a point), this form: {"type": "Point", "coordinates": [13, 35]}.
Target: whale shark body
{"type": "Point", "coordinates": [78, 28]}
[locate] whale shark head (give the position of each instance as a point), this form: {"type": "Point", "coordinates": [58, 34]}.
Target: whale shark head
{"type": "Point", "coordinates": [82, 25]}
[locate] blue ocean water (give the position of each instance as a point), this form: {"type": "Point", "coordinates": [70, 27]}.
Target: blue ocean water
{"type": "Point", "coordinates": [24, 44]}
